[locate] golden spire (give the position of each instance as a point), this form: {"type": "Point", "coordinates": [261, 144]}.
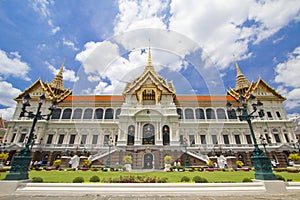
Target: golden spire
{"type": "Point", "coordinates": [149, 56]}
{"type": "Point", "coordinates": [238, 71]}
{"type": "Point", "coordinates": [57, 82]}
{"type": "Point", "coordinates": [241, 80]}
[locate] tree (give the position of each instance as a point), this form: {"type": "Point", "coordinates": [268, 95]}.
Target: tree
{"type": "Point", "coordinates": [57, 163]}
{"type": "Point", "coordinates": [294, 157]}
{"type": "Point", "coordinates": [127, 159]}
{"type": "Point", "coordinates": [86, 163]}
{"type": "Point", "coordinates": [168, 159]}
{"type": "Point", "coordinates": [3, 156]}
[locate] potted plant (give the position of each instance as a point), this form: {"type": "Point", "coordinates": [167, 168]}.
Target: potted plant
{"type": "Point", "coordinates": [239, 164]}
{"type": "Point", "coordinates": [86, 164]}
{"type": "Point", "coordinates": [3, 158]}
{"type": "Point", "coordinates": [167, 161]}
{"type": "Point", "coordinates": [128, 161]}
{"type": "Point", "coordinates": [57, 163]}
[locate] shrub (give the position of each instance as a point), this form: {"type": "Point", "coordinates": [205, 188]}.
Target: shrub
{"type": "Point", "coordinates": [294, 157]}
{"type": "Point", "coordinates": [239, 163]}
{"type": "Point", "coordinates": [3, 156]}
{"type": "Point", "coordinates": [37, 180]}
{"type": "Point", "coordinates": [86, 163]}
{"type": "Point", "coordinates": [198, 179]}
{"type": "Point", "coordinates": [78, 180]}
{"type": "Point", "coordinates": [185, 179]}
{"type": "Point", "coordinates": [57, 163]}
{"type": "Point", "coordinates": [292, 169]}
{"type": "Point", "coordinates": [127, 159]}
{"type": "Point", "coordinates": [95, 179]}
{"type": "Point", "coordinates": [210, 163]}
{"type": "Point", "coordinates": [180, 168]}
{"type": "Point", "coordinates": [162, 180]}
{"type": "Point", "coordinates": [279, 169]}
{"type": "Point", "coordinates": [94, 169]}
{"type": "Point", "coordinates": [279, 177]}
{"type": "Point", "coordinates": [246, 180]}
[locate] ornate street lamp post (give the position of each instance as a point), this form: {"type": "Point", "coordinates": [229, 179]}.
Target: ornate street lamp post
{"type": "Point", "coordinates": [110, 144]}
{"type": "Point", "coordinates": [261, 163]}
{"type": "Point", "coordinates": [21, 163]}
{"type": "Point", "coordinates": [263, 142]}
{"type": "Point", "coordinates": [186, 161]}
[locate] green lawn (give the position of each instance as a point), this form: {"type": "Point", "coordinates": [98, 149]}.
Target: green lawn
{"type": "Point", "coordinates": [173, 177]}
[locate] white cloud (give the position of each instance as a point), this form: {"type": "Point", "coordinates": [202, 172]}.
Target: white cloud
{"type": "Point", "coordinates": [138, 14]}
{"type": "Point", "coordinates": [222, 28]}
{"type": "Point", "coordinates": [70, 44]}
{"type": "Point", "coordinates": [287, 74]}
{"type": "Point", "coordinates": [289, 69]}
{"type": "Point", "coordinates": [42, 8]}
{"type": "Point", "coordinates": [55, 29]}
{"type": "Point", "coordinates": [219, 26]}
{"type": "Point", "coordinates": [7, 93]}
{"type": "Point", "coordinates": [11, 65]}
{"type": "Point", "coordinates": [69, 75]}
{"type": "Point", "coordinates": [7, 113]}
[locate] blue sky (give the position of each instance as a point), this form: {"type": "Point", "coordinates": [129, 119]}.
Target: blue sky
{"type": "Point", "coordinates": [194, 44]}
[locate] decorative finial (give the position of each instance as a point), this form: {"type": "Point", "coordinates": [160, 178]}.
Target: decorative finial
{"type": "Point", "coordinates": [238, 70]}
{"type": "Point", "coordinates": [149, 56]}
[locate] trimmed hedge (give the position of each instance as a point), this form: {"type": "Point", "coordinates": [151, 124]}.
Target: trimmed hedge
{"type": "Point", "coordinates": [78, 180]}
{"type": "Point", "coordinates": [95, 179]}
{"type": "Point", "coordinates": [198, 179]}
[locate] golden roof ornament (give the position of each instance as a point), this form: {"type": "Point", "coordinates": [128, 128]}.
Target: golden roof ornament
{"type": "Point", "coordinates": [241, 81]}
{"type": "Point", "coordinates": [57, 82]}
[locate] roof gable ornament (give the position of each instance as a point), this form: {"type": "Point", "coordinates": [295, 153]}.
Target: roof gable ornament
{"type": "Point", "coordinates": [53, 90]}
{"type": "Point", "coordinates": [245, 89]}
{"type": "Point", "coordinates": [149, 84]}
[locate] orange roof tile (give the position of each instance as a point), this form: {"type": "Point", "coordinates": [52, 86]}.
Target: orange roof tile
{"type": "Point", "coordinates": [204, 98]}
{"type": "Point", "coordinates": [95, 98]}
{"type": "Point", "coordinates": [121, 98]}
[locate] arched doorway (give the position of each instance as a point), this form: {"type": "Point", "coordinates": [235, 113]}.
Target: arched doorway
{"type": "Point", "coordinates": [166, 135]}
{"type": "Point", "coordinates": [148, 134]}
{"type": "Point", "coordinates": [148, 161]}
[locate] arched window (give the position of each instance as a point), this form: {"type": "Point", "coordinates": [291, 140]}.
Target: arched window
{"type": "Point", "coordinates": [118, 111]}
{"type": "Point", "coordinates": [109, 113]}
{"type": "Point", "coordinates": [200, 113]}
{"type": "Point", "coordinates": [98, 113]}
{"type": "Point", "coordinates": [210, 114]}
{"type": "Point", "coordinates": [179, 112]}
{"type": "Point", "coordinates": [166, 135]}
{"type": "Point", "coordinates": [130, 138]}
{"type": "Point", "coordinates": [67, 113]}
{"type": "Point", "coordinates": [88, 113]}
{"type": "Point", "coordinates": [77, 113]}
{"type": "Point", "coordinates": [189, 114]}
{"type": "Point", "coordinates": [56, 113]}
{"type": "Point", "coordinates": [221, 113]}
{"type": "Point", "coordinates": [148, 134]}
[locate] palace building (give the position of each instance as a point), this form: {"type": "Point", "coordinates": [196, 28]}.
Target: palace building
{"type": "Point", "coordinates": [149, 121]}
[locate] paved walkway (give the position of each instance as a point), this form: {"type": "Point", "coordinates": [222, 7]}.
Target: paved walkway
{"type": "Point", "coordinates": [67, 196]}
{"type": "Point", "coordinates": [258, 190]}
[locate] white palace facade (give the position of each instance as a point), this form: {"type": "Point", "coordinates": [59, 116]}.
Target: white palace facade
{"type": "Point", "coordinates": [149, 121]}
